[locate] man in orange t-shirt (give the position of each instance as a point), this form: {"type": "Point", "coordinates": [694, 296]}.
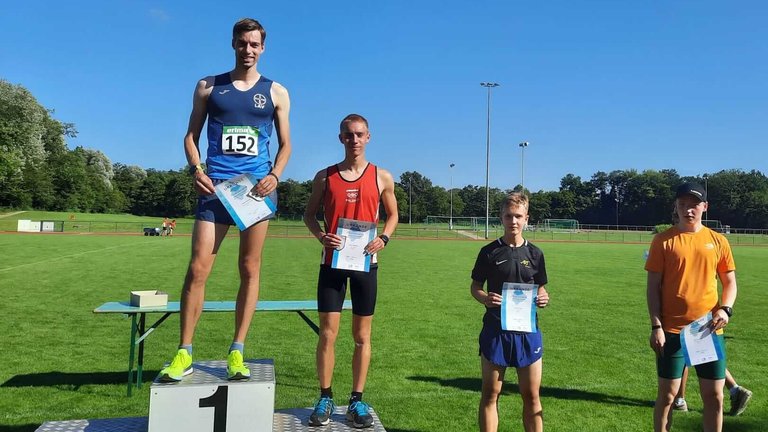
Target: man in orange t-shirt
{"type": "Point", "coordinates": [683, 265]}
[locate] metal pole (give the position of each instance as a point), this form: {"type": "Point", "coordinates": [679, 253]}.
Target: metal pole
{"type": "Point", "coordinates": [450, 221]}
{"type": "Point", "coordinates": [617, 213]}
{"type": "Point", "coordinates": [706, 191]}
{"type": "Point", "coordinates": [410, 200]}
{"type": "Point", "coordinates": [523, 145]}
{"type": "Point", "coordinates": [489, 86]}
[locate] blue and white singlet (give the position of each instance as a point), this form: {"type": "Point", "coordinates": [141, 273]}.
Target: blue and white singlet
{"type": "Point", "coordinates": [239, 128]}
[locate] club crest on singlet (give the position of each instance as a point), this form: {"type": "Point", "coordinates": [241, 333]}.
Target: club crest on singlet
{"type": "Point", "coordinates": [259, 101]}
{"type": "Point", "coordinates": [352, 195]}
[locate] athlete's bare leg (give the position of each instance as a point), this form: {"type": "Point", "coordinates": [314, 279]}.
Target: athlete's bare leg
{"type": "Point", "coordinates": [488, 412]}
{"type": "Point", "coordinates": [206, 240]}
{"type": "Point", "coordinates": [361, 358]}
{"type": "Point", "coordinates": [251, 246]}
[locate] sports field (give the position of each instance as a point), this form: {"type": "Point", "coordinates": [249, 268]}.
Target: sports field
{"type": "Point", "coordinates": [60, 361]}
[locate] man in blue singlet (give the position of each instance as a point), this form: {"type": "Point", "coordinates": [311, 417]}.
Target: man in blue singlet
{"type": "Point", "coordinates": [240, 107]}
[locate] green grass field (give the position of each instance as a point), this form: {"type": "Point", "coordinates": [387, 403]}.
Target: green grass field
{"type": "Point", "coordinates": [60, 361]}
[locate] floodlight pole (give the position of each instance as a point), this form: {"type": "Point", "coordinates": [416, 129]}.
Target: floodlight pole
{"type": "Point", "coordinates": [706, 191]}
{"type": "Point", "coordinates": [489, 86]}
{"type": "Point", "coordinates": [410, 199]}
{"type": "Point", "coordinates": [450, 220]}
{"type": "Point", "coordinates": [522, 145]}
{"type": "Point", "coordinates": [617, 212]}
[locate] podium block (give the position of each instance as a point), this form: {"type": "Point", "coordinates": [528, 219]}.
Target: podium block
{"type": "Point", "coordinates": [207, 402]}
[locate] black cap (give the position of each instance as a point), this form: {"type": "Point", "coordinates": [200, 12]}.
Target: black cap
{"type": "Point", "coordinates": [693, 189]}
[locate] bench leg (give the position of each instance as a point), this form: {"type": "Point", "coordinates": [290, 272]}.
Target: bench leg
{"type": "Point", "coordinates": [140, 367]}
{"type": "Point", "coordinates": [131, 353]}
{"type": "Point", "coordinates": [309, 322]}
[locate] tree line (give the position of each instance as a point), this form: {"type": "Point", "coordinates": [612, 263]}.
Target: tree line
{"type": "Point", "coordinates": [38, 171]}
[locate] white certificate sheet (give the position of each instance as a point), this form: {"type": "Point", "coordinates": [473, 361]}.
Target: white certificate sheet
{"type": "Point", "coordinates": [245, 207]}
{"type": "Point", "coordinates": [355, 236]}
{"type": "Point", "coordinates": [699, 343]}
{"type": "Point", "coordinates": [518, 307]}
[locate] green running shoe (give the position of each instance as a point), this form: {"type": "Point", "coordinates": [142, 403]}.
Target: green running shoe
{"type": "Point", "coordinates": [180, 366]}
{"type": "Point", "coordinates": [236, 370]}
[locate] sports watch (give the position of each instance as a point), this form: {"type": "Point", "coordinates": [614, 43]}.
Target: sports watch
{"type": "Point", "coordinates": [195, 168]}
{"type": "Point", "coordinates": [728, 310]}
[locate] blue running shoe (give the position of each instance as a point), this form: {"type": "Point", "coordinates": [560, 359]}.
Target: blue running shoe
{"type": "Point", "coordinates": [358, 415]}
{"type": "Point", "coordinates": [321, 415]}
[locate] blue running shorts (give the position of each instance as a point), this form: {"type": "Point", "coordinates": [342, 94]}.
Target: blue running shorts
{"type": "Point", "coordinates": [210, 208]}
{"type": "Point", "coordinates": [510, 349]}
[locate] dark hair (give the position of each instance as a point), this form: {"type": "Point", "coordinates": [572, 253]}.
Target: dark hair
{"type": "Point", "coordinates": [246, 25]}
{"type": "Point", "coordinates": [352, 118]}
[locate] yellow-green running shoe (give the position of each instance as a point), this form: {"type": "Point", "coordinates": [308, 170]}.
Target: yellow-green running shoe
{"type": "Point", "coordinates": [180, 366]}
{"type": "Point", "coordinates": [236, 370]}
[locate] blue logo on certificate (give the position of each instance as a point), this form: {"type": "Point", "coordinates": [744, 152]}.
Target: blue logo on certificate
{"type": "Point", "coordinates": [700, 345]}
{"type": "Point", "coordinates": [518, 307]}
{"type": "Point", "coordinates": [356, 235]}
{"type": "Point", "coordinates": [244, 206]}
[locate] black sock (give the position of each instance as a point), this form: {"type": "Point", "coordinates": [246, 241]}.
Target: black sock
{"type": "Point", "coordinates": [326, 392]}
{"type": "Point", "coordinates": [355, 397]}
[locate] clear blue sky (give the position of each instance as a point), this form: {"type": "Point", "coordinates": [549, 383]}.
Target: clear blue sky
{"type": "Point", "coordinates": [592, 85]}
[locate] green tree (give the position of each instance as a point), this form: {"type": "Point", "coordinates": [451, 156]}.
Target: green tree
{"type": "Point", "coordinates": [128, 179]}
{"type": "Point", "coordinates": [417, 188]}
{"type": "Point", "coordinates": [293, 198]}
{"type": "Point", "coordinates": [180, 198]}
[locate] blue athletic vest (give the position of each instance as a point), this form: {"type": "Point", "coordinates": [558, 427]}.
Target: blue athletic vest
{"type": "Point", "coordinates": [232, 150]}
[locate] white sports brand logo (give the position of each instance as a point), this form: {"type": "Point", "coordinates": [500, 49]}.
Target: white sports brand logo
{"type": "Point", "coordinates": [259, 101]}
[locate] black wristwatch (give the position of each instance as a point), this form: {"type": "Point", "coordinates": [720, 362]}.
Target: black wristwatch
{"type": "Point", "coordinates": [728, 310]}
{"type": "Point", "coordinates": [384, 238]}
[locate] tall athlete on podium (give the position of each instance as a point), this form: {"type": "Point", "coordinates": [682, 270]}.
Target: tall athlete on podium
{"type": "Point", "coordinates": [240, 107]}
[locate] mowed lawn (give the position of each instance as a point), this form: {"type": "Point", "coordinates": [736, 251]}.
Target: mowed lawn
{"type": "Point", "coordinates": [60, 361]}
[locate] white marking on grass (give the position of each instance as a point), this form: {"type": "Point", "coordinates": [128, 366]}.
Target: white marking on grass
{"type": "Point", "coordinates": [468, 234]}
{"type": "Point", "coordinates": [12, 214]}
{"type": "Point", "coordinates": [62, 257]}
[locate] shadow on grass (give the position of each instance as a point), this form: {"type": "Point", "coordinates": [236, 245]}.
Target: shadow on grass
{"type": "Point", "coordinates": [474, 384]}
{"type": "Point", "coordinates": [74, 379]}
{"type": "Point", "coordinates": [19, 428]}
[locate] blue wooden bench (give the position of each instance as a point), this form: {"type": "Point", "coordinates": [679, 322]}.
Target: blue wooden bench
{"type": "Point", "coordinates": [139, 331]}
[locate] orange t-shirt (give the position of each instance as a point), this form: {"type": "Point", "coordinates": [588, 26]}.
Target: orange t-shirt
{"type": "Point", "coordinates": [689, 264]}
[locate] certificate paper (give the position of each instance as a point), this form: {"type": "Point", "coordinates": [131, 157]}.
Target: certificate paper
{"type": "Point", "coordinates": [518, 309]}
{"type": "Point", "coordinates": [355, 236]}
{"type": "Point", "coordinates": [245, 207]}
{"type": "Point", "coordinates": [699, 343]}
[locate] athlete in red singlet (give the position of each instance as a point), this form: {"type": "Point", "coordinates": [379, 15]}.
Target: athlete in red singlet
{"type": "Point", "coordinates": [356, 198]}
{"type": "Point", "coordinates": [352, 189]}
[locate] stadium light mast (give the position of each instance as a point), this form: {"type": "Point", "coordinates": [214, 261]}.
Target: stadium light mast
{"type": "Point", "coordinates": [450, 220]}
{"type": "Point", "coordinates": [706, 191]}
{"type": "Point", "coordinates": [410, 199]}
{"type": "Point", "coordinates": [489, 86]}
{"type": "Point", "coordinates": [522, 145]}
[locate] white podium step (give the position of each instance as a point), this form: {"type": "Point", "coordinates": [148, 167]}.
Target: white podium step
{"type": "Point", "coordinates": [206, 401]}
{"type": "Point", "coordinates": [288, 420]}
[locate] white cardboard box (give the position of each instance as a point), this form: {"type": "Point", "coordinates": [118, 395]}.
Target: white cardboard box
{"type": "Point", "coordinates": [149, 298]}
